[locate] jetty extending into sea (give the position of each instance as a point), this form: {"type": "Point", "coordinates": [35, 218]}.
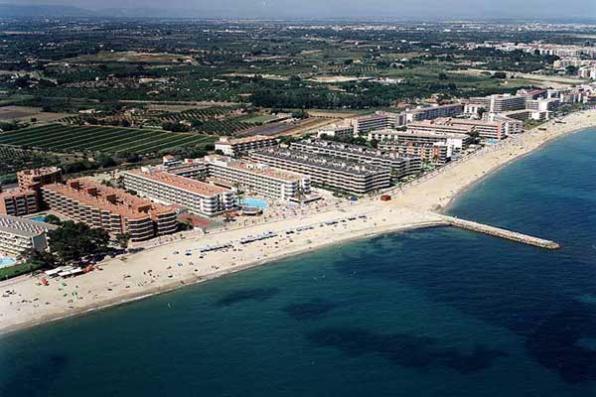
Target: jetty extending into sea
{"type": "Point", "coordinates": [500, 232]}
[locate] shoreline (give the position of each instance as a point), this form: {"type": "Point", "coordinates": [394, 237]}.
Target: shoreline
{"type": "Point", "coordinates": [175, 286]}
{"type": "Point", "coordinates": [496, 169]}
{"type": "Point", "coordinates": [410, 209]}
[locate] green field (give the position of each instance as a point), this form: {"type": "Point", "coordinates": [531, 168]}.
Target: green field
{"type": "Point", "coordinates": [61, 138]}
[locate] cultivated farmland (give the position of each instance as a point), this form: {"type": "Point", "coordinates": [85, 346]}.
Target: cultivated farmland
{"type": "Point", "coordinates": [61, 138]}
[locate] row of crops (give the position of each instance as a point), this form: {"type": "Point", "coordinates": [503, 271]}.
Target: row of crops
{"type": "Point", "coordinates": [210, 121]}
{"type": "Point", "coordinates": [61, 138]}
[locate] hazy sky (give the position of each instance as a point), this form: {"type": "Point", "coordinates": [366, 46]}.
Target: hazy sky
{"type": "Point", "coordinates": [421, 9]}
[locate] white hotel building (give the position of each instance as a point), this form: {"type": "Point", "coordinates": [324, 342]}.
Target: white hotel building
{"type": "Point", "coordinates": [198, 197]}
{"type": "Point", "coordinates": [259, 178]}
{"type": "Point", "coordinates": [17, 235]}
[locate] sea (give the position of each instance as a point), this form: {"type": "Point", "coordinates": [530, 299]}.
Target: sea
{"type": "Point", "coordinates": [433, 312]}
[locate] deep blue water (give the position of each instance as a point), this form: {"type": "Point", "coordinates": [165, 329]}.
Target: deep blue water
{"type": "Point", "coordinates": [438, 312]}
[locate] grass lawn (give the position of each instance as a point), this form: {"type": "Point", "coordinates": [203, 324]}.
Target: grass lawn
{"type": "Point", "coordinates": [17, 270]}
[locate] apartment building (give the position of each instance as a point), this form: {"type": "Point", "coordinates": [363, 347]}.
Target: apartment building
{"type": "Point", "coordinates": [328, 172]}
{"type": "Point", "coordinates": [19, 202]}
{"type": "Point", "coordinates": [18, 235]}
{"type": "Point", "coordinates": [36, 178]}
{"type": "Point", "coordinates": [189, 168]}
{"type": "Point", "coordinates": [259, 178]}
{"type": "Point", "coordinates": [235, 147]}
{"type": "Point", "coordinates": [587, 72]}
{"type": "Point", "coordinates": [486, 129]}
{"type": "Point", "coordinates": [433, 112]}
{"type": "Point", "coordinates": [400, 166]}
{"type": "Point", "coordinates": [376, 121]}
{"type": "Point", "coordinates": [543, 105]}
{"type": "Point", "coordinates": [511, 125]}
{"type": "Point", "coordinates": [27, 199]}
{"type": "Point", "coordinates": [434, 153]}
{"type": "Point", "coordinates": [455, 142]}
{"type": "Point", "coordinates": [117, 212]}
{"type": "Point", "coordinates": [338, 132]}
{"type": "Point", "coordinates": [495, 103]}
{"type": "Point", "coordinates": [198, 197]}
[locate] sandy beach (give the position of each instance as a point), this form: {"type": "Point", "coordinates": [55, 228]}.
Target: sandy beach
{"type": "Point", "coordinates": [25, 302]}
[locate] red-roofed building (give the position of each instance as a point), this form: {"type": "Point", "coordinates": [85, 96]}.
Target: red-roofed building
{"type": "Point", "coordinates": [117, 212]}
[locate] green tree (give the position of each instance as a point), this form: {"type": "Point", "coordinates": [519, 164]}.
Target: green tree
{"type": "Point", "coordinates": [571, 70]}
{"type": "Point", "coordinates": [73, 241]}
{"type": "Point", "coordinates": [52, 219]}
{"type": "Point", "coordinates": [123, 239]}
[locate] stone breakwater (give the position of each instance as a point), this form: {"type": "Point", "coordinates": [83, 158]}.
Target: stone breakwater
{"type": "Point", "coordinates": [502, 233]}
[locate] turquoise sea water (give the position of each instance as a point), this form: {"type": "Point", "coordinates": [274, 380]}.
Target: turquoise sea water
{"type": "Point", "coordinates": [438, 312]}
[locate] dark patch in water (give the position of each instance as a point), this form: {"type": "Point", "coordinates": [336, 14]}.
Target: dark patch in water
{"type": "Point", "coordinates": [35, 379]}
{"type": "Point", "coordinates": [255, 294]}
{"type": "Point", "coordinates": [405, 350]}
{"type": "Point", "coordinates": [554, 344]}
{"type": "Point", "coordinates": [314, 309]}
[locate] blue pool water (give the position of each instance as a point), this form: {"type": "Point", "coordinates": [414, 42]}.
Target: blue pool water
{"type": "Point", "coordinates": [438, 312]}
{"type": "Point", "coordinates": [6, 261]}
{"type": "Point", "coordinates": [255, 202]}
{"type": "Point", "coordinates": [39, 218]}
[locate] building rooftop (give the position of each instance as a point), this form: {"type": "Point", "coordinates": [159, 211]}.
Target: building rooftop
{"type": "Point", "coordinates": [347, 148]}
{"type": "Point", "coordinates": [116, 201]}
{"type": "Point", "coordinates": [23, 227]}
{"type": "Point", "coordinates": [255, 168]}
{"type": "Point", "coordinates": [414, 132]}
{"type": "Point", "coordinates": [322, 161]}
{"type": "Point", "coordinates": [248, 139]}
{"type": "Point", "coordinates": [375, 115]}
{"type": "Point", "coordinates": [470, 122]}
{"type": "Point", "coordinates": [191, 185]}
{"type": "Point", "coordinates": [40, 171]}
{"type": "Point", "coordinates": [435, 106]}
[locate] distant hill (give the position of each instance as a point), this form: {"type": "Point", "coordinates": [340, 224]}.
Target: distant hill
{"type": "Point", "coordinates": [52, 11]}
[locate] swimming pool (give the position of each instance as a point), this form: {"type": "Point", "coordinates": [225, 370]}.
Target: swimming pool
{"type": "Point", "coordinates": [254, 202]}
{"type": "Point", "coordinates": [39, 218]}
{"type": "Point", "coordinates": [6, 261]}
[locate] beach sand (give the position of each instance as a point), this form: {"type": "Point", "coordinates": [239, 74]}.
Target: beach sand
{"type": "Point", "coordinates": [167, 266]}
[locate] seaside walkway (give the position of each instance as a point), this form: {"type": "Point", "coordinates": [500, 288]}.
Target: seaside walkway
{"type": "Point", "coordinates": [500, 232]}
